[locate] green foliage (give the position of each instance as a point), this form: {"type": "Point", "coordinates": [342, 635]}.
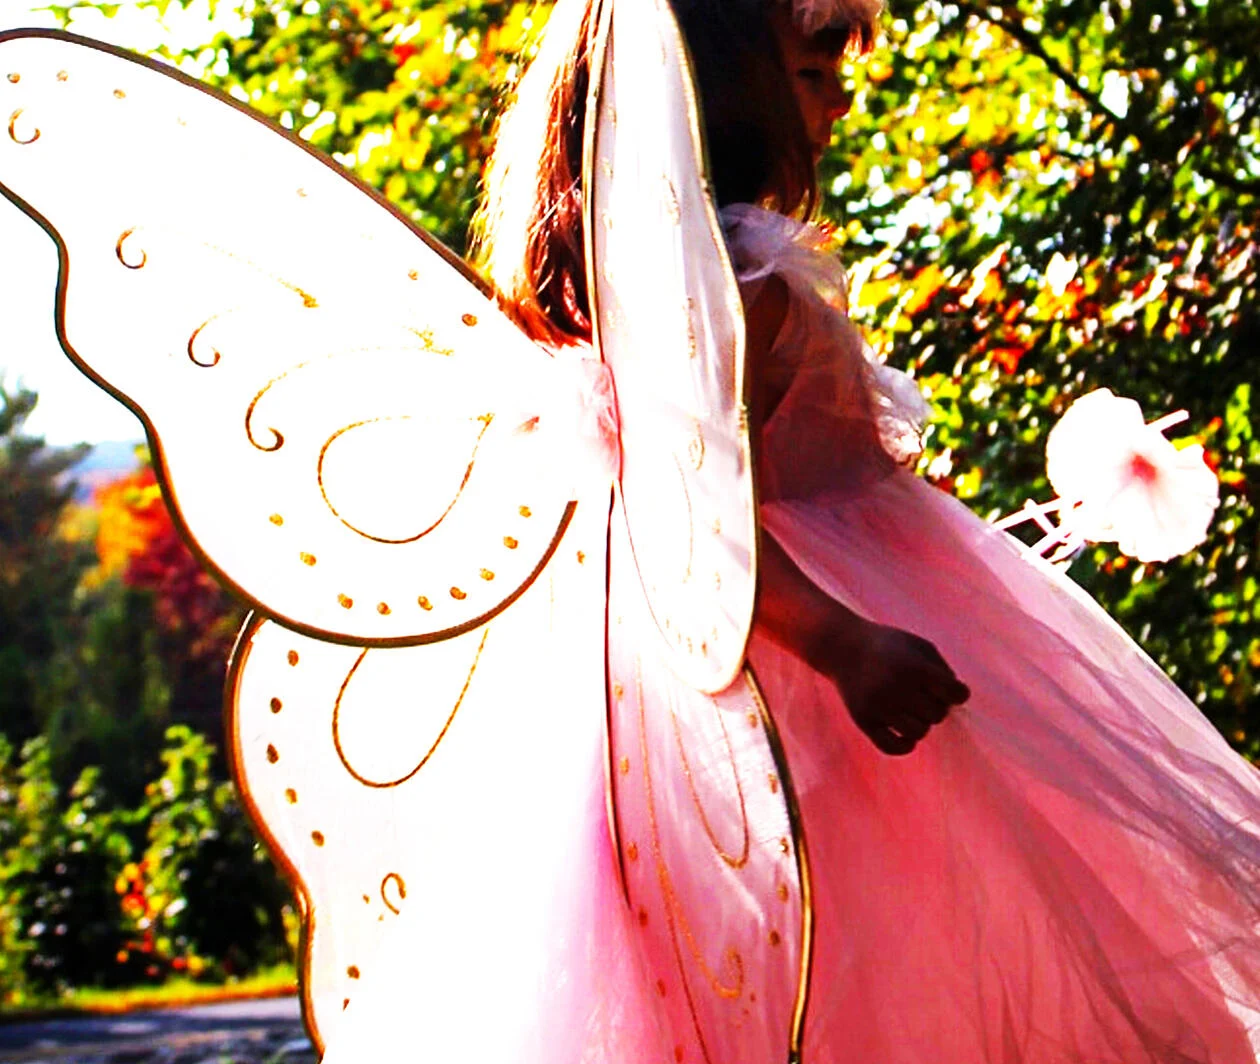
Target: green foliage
{"type": "Point", "coordinates": [207, 884]}
{"type": "Point", "coordinates": [402, 91]}
{"type": "Point", "coordinates": [58, 917]}
{"type": "Point", "coordinates": [1051, 197]}
{"type": "Point", "coordinates": [39, 569]}
{"type": "Point", "coordinates": [99, 894]}
{"type": "Point", "coordinates": [104, 879]}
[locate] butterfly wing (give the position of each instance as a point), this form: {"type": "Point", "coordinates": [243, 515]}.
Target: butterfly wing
{"type": "Point", "coordinates": [428, 813]}
{"type": "Point", "coordinates": [332, 401]}
{"type": "Point", "coordinates": [711, 853]}
{"type": "Point", "coordinates": [670, 325]}
{"type": "Point", "coordinates": [712, 857]}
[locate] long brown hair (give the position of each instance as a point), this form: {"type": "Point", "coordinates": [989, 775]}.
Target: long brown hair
{"type": "Point", "coordinates": [528, 234]}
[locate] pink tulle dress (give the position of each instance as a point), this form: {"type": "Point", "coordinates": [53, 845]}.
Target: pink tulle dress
{"type": "Point", "coordinates": [1066, 870]}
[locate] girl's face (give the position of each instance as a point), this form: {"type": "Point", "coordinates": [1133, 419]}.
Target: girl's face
{"type": "Point", "coordinates": [812, 71]}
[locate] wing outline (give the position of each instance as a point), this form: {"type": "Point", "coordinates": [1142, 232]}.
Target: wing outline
{"type": "Point", "coordinates": [422, 628]}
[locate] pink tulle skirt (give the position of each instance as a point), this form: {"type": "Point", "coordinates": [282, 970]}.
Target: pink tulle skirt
{"type": "Point", "coordinates": [1066, 870]}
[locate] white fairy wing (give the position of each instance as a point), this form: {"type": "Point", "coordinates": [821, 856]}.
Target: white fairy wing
{"type": "Point", "coordinates": [334, 404]}
{"type": "Point", "coordinates": [711, 852]}
{"type": "Point", "coordinates": [670, 325]}
{"type": "Point", "coordinates": [429, 818]}
{"type": "Point", "coordinates": [712, 859]}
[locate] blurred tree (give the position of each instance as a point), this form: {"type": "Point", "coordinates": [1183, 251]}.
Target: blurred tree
{"type": "Point", "coordinates": [39, 567]}
{"type": "Point", "coordinates": [402, 91]}
{"type": "Point", "coordinates": [1039, 197]}
{"type": "Point", "coordinates": [1046, 198]}
{"type": "Point", "coordinates": [193, 621]}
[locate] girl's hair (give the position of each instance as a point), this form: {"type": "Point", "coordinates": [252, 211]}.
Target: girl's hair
{"type": "Point", "coordinates": [528, 234]}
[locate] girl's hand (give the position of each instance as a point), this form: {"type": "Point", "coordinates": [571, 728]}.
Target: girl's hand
{"type": "Point", "coordinates": [896, 685]}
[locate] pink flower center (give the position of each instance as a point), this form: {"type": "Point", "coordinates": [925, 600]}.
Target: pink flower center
{"type": "Point", "coordinates": [1143, 469]}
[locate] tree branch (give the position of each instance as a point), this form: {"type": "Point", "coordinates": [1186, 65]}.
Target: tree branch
{"type": "Point", "coordinates": [1032, 43]}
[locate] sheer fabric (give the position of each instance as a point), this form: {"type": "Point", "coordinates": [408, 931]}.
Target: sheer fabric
{"type": "Point", "coordinates": [1068, 869]}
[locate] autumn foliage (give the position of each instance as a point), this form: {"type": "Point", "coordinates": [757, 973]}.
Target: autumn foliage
{"type": "Point", "coordinates": [137, 540]}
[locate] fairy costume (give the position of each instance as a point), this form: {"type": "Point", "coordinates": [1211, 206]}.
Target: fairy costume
{"type": "Point", "coordinates": [1065, 871]}
{"type": "Point", "coordinates": [1069, 867]}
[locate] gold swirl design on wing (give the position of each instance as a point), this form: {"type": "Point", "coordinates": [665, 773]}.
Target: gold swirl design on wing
{"type": "Point", "coordinates": [696, 447]}
{"type": "Point", "coordinates": [192, 342]}
{"type": "Point", "coordinates": [120, 251]}
{"type": "Point", "coordinates": [485, 420]}
{"type": "Point", "coordinates": [675, 918]}
{"type": "Point", "coordinates": [278, 442]}
{"type": "Point", "coordinates": [741, 859]}
{"type": "Point", "coordinates": [13, 133]}
{"type": "Point", "coordinates": [327, 356]}
{"type": "Point", "coordinates": [401, 886]}
{"type": "Point", "coordinates": [424, 760]}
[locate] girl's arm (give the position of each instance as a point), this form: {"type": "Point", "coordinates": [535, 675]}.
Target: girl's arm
{"type": "Point", "coordinates": [895, 685]}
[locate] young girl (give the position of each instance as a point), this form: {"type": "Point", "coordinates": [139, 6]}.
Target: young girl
{"type": "Point", "coordinates": [1067, 866]}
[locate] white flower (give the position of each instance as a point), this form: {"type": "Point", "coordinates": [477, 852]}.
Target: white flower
{"type": "Point", "coordinates": [1120, 480]}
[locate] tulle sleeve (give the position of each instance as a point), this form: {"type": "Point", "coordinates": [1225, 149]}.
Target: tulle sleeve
{"type": "Point", "coordinates": [840, 416]}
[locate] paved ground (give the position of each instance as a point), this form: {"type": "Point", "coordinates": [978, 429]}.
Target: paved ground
{"type": "Point", "coordinates": [239, 1032]}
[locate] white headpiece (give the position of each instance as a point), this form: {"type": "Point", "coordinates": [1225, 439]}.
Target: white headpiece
{"type": "Point", "coordinates": [813, 15]}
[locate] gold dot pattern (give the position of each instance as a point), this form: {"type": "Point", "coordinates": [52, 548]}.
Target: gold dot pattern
{"type": "Point", "coordinates": [383, 609]}
{"type": "Point", "coordinates": [632, 851]}
{"type": "Point", "coordinates": [469, 319]}
{"type": "Point", "coordinates": [581, 557]}
{"type": "Point", "coordinates": [290, 795]}
{"type": "Point", "coordinates": [15, 78]}
{"type": "Point", "coordinates": [525, 511]}
{"type": "Point", "coordinates": [353, 970]}
{"type": "Point", "coordinates": [119, 94]}
{"type": "Point", "coordinates": [63, 75]}
{"type": "Point", "coordinates": [511, 542]}
{"type": "Point", "coordinates": [307, 559]}
{"type": "Point", "coordinates": [276, 705]}
{"type": "Point", "coordinates": [293, 657]}
{"type": "Point", "coordinates": [774, 783]}
{"type": "Point", "coordinates": [276, 519]}
{"type": "Point", "coordinates": [775, 938]}
{"type": "Point", "coordinates": [458, 595]}
{"type": "Point", "coordinates": [413, 274]}
{"type": "Point", "coordinates": [624, 765]}
{"type": "Point", "coordinates": [317, 837]}
{"type": "Point", "coordinates": [424, 603]}
{"type": "Point", "coordinates": [273, 755]}
{"type": "Point", "coordinates": [782, 891]}
{"type": "Point", "coordinates": [345, 601]}
{"type": "Point", "coordinates": [487, 574]}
